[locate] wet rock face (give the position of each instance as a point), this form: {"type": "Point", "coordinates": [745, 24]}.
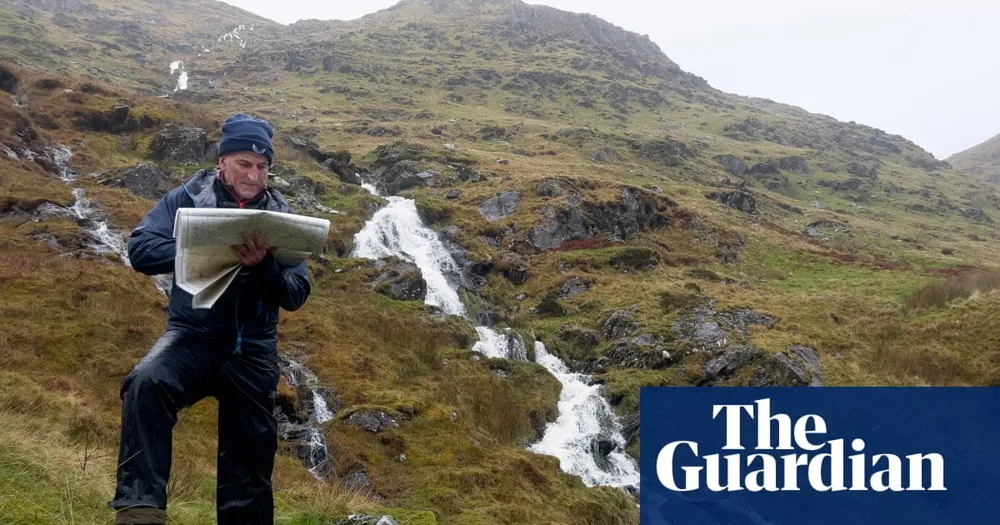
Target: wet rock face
{"type": "Point", "coordinates": [397, 279]}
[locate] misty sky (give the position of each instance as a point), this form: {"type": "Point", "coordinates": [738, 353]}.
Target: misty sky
{"type": "Point", "coordinates": [927, 70]}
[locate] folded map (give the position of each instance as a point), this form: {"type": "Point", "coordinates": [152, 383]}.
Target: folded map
{"type": "Point", "coordinates": [206, 264]}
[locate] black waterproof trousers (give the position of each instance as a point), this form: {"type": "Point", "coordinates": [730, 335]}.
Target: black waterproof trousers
{"type": "Point", "coordinates": [181, 369]}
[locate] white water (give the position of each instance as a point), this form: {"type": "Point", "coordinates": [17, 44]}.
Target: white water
{"type": "Point", "coordinates": [397, 230]}
{"type": "Point", "coordinates": [182, 79]}
{"type": "Point", "coordinates": [234, 35]}
{"type": "Point", "coordinates": [106, 239]}
{"type": "Point", "coordinates": [313, 449]}
{"type": "Point", "coordinates": [584, 415]}
{"type": "Point", "coordinates": [502, 345]}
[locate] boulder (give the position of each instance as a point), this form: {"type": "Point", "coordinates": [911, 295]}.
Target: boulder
{"type": "Point", "coordinates": [573, 286]}
{"type": "Point", "coordinates": [149, 181]}
{"type": "Point", "coordinates": [119, 115]}
{"type": "Point", "coordinates": [630, 354]}
{"type": "Point", "coordinates": [340, 163]}
{"type": "Point", "coordinates": [398, 177]}
{"type": "Point", "coordinates": [515, 268]}
{"type": "Point", "coordinates": [371, 421]}
{"type": "Point", "coordinates": [730, 361]}
{"type": "Point", "coordinates": [619, 325]}
{"type": "Point", "coordinates": [736, 200]}
{"type": "Point", "coordinates": [8, 80]}
{"type": "Point", "coordinates": [553, 188]}
{"type": "Point", "coordinates": [765, 168]}
{"type": "Point", "coordinates": [306, 145]}
{"type": "Point", "coordinates": [818, 229]}
{"type": "Point", "coordinates": [733, 164]}
{"type": "Point", "coordinates": [793, 164]}
{"type": "Point", "coordinates": [501, 206]}
{"type": "Point", "coordinates": [180, 144]}
{"type": "Point", "coordinates": [397, 279]}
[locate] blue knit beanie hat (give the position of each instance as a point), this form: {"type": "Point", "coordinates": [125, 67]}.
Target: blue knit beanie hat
{"type": "Point", "coordinates": [242, 132]}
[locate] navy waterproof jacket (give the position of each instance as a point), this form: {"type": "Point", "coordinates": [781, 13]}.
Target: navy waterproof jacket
{"type": "Point", "coordinates": [245, 318]}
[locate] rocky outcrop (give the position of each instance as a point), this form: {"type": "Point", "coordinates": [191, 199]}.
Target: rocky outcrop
{"type": "Point", "coordinates": [553, 188]}
{"type": "Point", "coordinates": [149, 181]}
{"type": "Point", "coordinates": [8, 80]}
{"type": "Point", "coordinates": [573, 286]}
{"type": "Point", "coordinates": [646, 353]}
{"type": "Point", "coordinates": [579, 337]}
{"type": "Point", "coordinates": [728, 244]}
{"type": "Point", "coordinates": [397, 279]}
{"type": "Point", "coordinates": [371, 421]}
{"type": "Point", "coordinates": [360, 519]}
{"type": "Point", "coordinates": [867, 168]}
{"type": "Point", "coordinates": [737, 200]}
{"type": "Point", "coordinates": [635, 211]}
{"type": "Point", "coordinates": [733, 164]}
{"type": "Point", "coordinates": [667, 152]}
{"type": "Point", "coordinates": [180, 144]}
{"type": "Point", "coordinates": [302, 192]}
{"type": "Point", "coordinates": [706, 328]}
{"type": "Point", "coordinates": [338, 162]}
{"type": "Point", "coordinates": [471, 273]}
{"type": "Point", "coordinates": [818, 229]}
{"type": "Point", "coordinates": [501, 206]}
{"type": "Point", "coordinates": [796, 367]}
{"type": "Point", "coordinates": [399, 177]}
{"type": "Point", "coordinates": [514, 267]}
{"type": "Point", "coordinates": [793, 164]}
{"type": "Point", "coordinates": [618, 325]}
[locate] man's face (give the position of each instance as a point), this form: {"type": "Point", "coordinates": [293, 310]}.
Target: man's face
{"type": "Point", "coordinates": [246, 172]}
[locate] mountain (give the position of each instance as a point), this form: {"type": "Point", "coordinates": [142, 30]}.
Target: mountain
{"type": "Point", "coordinates": [570, 185]}
{"type": "Point", "coordinates": [982, 161]}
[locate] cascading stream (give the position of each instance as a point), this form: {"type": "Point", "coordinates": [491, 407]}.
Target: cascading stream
{"type": "Point", "coordinates": [105, 239]}
{"type": "Point", "coordinates": [586, 436]}
{"type": "Point", "coordinates": [308, 434]}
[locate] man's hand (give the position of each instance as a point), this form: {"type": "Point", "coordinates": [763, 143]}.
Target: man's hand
{"type": "Point", "coordinates": [253, 250]}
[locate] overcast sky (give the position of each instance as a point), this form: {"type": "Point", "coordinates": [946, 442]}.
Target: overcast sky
{"type": "Point", "coordinates": [927, 70]}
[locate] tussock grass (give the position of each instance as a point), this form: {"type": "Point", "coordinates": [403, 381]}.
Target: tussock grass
{"type": "Point", "coordinates": [962, 286]}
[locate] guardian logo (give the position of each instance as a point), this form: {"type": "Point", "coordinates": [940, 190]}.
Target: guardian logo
{"type": "Point", "coordinates": [822, 464]}
{"type": "Point", "coordinates": [819, 456]}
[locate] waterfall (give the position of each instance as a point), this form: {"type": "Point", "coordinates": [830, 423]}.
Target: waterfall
{"type": "Point", "coordinates": [105, 239]}
{"type": "Point", "coordinates": [308, 433]}
{"type": "Point", "coordinates": [586, 437]}
{"type": "Point", "coordinates": [397, 230]}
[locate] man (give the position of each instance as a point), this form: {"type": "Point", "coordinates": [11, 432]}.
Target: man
{"type": "Point", "coordinates": [228, 351]}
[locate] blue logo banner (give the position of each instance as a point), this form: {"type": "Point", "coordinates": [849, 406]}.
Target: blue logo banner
{"type": "Point", "coordinates": [820, 456]}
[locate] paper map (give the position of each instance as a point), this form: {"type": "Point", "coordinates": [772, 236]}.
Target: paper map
{"type": "Point", "coordinates": [206, 264]}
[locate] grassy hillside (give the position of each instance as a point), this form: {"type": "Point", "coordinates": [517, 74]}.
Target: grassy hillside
{"type": "Point", "coordinates": [850, 241]}
{"type": "Point", "coordinates": [982, 161]}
